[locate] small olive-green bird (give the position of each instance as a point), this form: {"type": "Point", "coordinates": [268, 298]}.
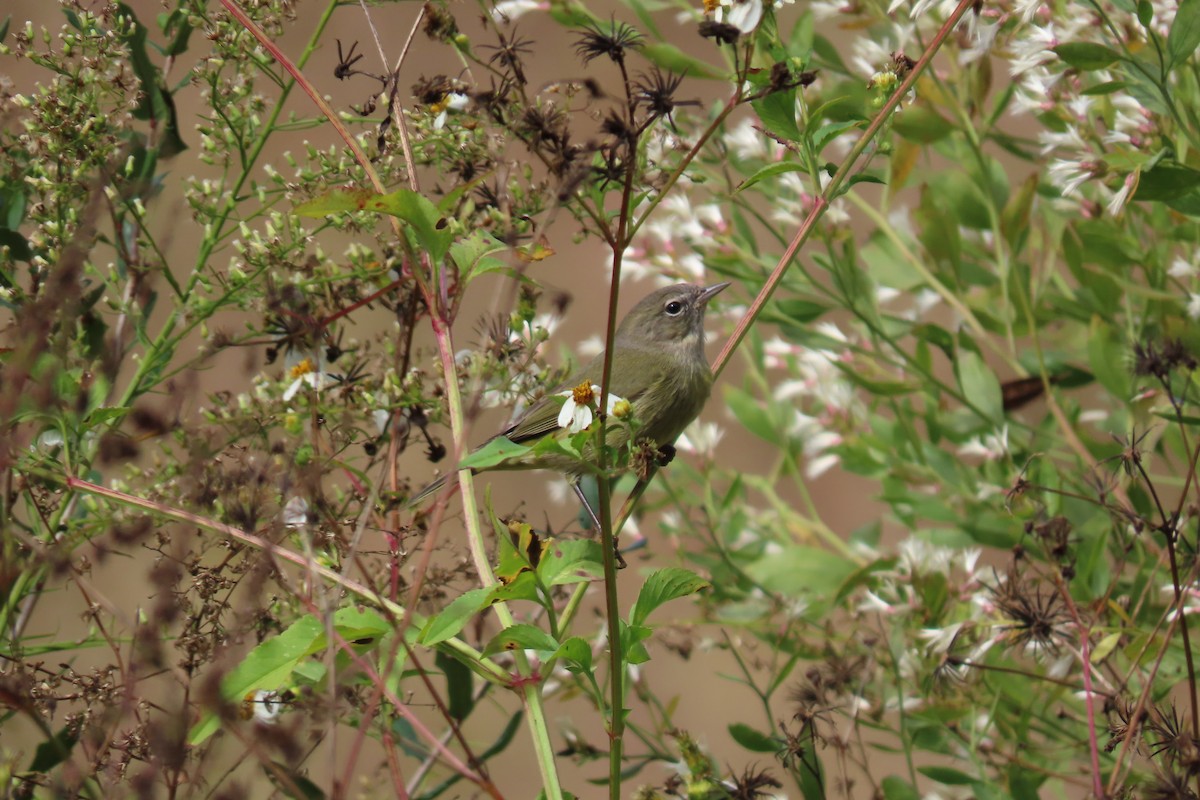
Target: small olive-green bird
{"type": "Point", "coordinates": [658, 366]}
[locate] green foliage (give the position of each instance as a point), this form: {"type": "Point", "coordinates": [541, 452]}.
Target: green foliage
{"type": "Point", "coordinates": [977, 290]}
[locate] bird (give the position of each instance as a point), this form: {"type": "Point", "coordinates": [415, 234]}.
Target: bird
{"type": "Point", "coordinates": [658, 366]}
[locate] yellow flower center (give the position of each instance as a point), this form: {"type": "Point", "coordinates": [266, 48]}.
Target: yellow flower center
{"type": "Point", "coordinates": [583, 394]}
{"type": "Point", "coordinates": [710, 6]}
{"type": "Point", "coordinates": [303, 368]}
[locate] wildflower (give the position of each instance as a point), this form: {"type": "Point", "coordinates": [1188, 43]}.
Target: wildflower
{"type": "Point", "coordinates": [295, 512]}
{"type": "Point", "coordinates": [991, 447]}
{"type": "Point", "coordinates": [305, 372]}
{"type": "Point", "coordinates": [510, 10]}
{"type": "Point", "coordinates": [576, 414]}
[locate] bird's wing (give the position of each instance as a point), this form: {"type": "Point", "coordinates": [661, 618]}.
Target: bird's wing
{"type": "Point", "coordinates": [542, 418]}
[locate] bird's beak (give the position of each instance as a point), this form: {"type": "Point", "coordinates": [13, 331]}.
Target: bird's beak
{"type": "Point", "coordinates": [710, 292]}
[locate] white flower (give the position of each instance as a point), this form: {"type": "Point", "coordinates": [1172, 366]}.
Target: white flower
{"type": "Point", "coordinates": [454, 101]}
{"type": "Point", "coordinates": [305, 372]}
{"type": "Point", "coordinates": [295, 512]}
{"type": "Point", "coordinates": [701, 437]}
{"type": "Point", "coordinates": [1181, 268]}
{"type": "Point", "coordinates": [991, 447]}
{"type": "Point", "coordinates": [576, 414]}
{"type": "Point", "coordinates": [745, 15]}
{"type": "Point", "coordinates": [1193, 306]}
{"type": "Point", "coordinates": [510, 10]}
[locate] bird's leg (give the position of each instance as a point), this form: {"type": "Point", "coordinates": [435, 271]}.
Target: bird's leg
{"type": "Point", "coordinates": [595, 519]}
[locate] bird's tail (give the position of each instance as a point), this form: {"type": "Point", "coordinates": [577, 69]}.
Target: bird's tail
{"type": "Point", "coordinates": [431, 489]}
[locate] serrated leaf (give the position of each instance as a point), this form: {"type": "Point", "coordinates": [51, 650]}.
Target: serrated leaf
{"type": "Point", "coordinates": [576, 653]}
{"type": "Point", "coordinates": [571, 561]}
{"type": "Point", "coordinates": [521, 637]}
{"type": "Point", "coordinates": [473, 255]}
{"type": "Point", "coordinates": [777, 112]}
{"type": "Point", "coordinates": [662, 586]}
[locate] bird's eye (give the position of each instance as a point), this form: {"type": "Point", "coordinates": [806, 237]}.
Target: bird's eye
{"type": "Point", "coordinates": [674, 308]}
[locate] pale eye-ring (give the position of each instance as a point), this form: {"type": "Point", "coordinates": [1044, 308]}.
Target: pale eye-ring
{"type": "Point", "coordinates": [674, 308]}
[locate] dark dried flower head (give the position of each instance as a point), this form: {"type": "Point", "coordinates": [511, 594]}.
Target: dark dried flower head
{"type": "Point", "coordinates": [346, 61]}
{"type": "Point", "coordinates": [902, 65]}
{"type": "Point", "coordinates": [723, 32]}
{"type": "Point", "coordinates": [1173, 738]}
{"type": "Point", "coordinates": [433, 91]}
{"type": "Point", "coordinates": [1036, 618]}
{"type": "Point", "coordinates": [1160, 359]}
{"type": "Point", "coordinates": [508, 54]}
{"type": "Point", "coordinates": [439, 23]}
{"type": "Point", "coordinates": [752, 783]}
{"type": "Point", "coordinates": [656, 93]}
{"type": "Point", "coordinates": [610, 41]}
{"type": "Point", "coordinates": [1171, 786]}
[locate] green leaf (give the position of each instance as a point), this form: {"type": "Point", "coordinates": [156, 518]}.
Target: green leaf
{"type": "Point", "coordinates": [522, 587]}
{"type": "Point", "coordinates": [1086, 55]}
{"type": "Point", "coordinates": [268, 665]}
{"type": "Point", "coordinates": [921, 124]}
{"type": "Point", "coordinates": [801, 570]}
{"type": "Point", "coordinates": [460, 689]}
{"type": "Point", "coordinates": [453, 617]}
{"type": "Point", "coordinates": [432, 233]}
{"type": "Point", "coordinates": [946, 775]}
{"type": "Point", "coordinates": [473, 256]}
{"type": "Point", "coordinates": [55, 750]}
{"type": "Point", "coordinates": [1108, 87]}
{"type": "Point", "coordinates": [1167, 181]}
{"type": "Point", "coordinates": [570, 561]}
{"type": "Point", "coordinates": [1145, 13]}
{"type": "Point", "coordinates": [632, 637]}
{"type": "Point", "coordinates": [752, 740]}
{"type": "Point", "coordinates": [778, 114]}
{"type": "Point", "coordinates": [979, 385]}
{"type": "Point", "coordinates": [898, 789]}
{"type": "Point", "coordinates": [155, 103]}
{"type": "Point", "coordinates": [832, 130]}
{"type": "Point", "coordinates": [751, 414]}
{"type": "Point", "coordinates": [496, 451]}
{"type": "Point", "coordinates": [1184, 36]}
{"type": "Point", "coordinates": [662, 586]}
{"type": "Point", "coordinates": [576, 653]}
{"type": "Point", "coordinates": [1106, 357]}
{"type": "Point", "coordinates": [521, 637]}
{"type": "Point", "coordinates": [769, 171]}
{"type": "Point", "coordinates": [672, 59]}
